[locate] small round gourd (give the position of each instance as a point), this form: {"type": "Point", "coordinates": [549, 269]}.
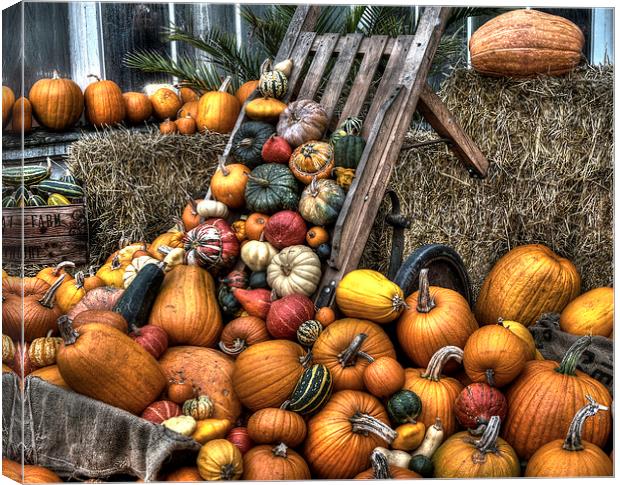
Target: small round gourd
{"type": "Point", "coordinates": [404, 407]}
{"type": "Point", "coordinates": [272, 83]}
{"type": "Point", "coordinates": [312, 159]}
{"type": "Point", "coordinates": [212, 208]}
{"type": "Point", "coordinates": [295, 269]}
{"type": "Point", "coordinates": [321, 202]}
{"type": "Point", "coordinates": [271, 187]}
{"type": "Point", "coordinates": [184, 425]}
{"type": "Point", "coordinates": [43, 350]}
{"type": "Point", "coordinates": [8, 349]}
{"type": "Point", "coordinates": [257, 255]}
{"type": "Point", "coordinates": [198, 408]}
{"type": "Point", "coordinates": [308, 332]}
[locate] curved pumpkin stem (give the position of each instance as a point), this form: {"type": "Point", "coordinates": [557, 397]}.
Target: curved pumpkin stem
{"type": "Point", "coordinates": [306, 359]}
{"type": "Point", "coordinates": [313, 188]}
{"type": "Point", "coordinates": [238, 346]}
{"type": "Point", "coordinates": [488, 442]}
{"type": "Point", "coordinates": [67, 332]}
{"type": "Point", "coordinates": [91, 271]}
{"type": "Point", "coordinates": [225, 84]}
{"type": "Point", "coordinates": [380, 465]}
{"type": "Point", "coordinates": [48, 298]}
{"type": "Point", "coordinates": [348, 356]}
{"type": "Point", "coordinates": [573, 437]}
{"type": "Point", "coordinates": [123, 242]}
{"type": "Point", "coordinates": [365, 423]}
{"type": "Point", "coordinates": [280, 450]}
{"type": "Point", "coordinates": [116, 263]}
{"type": "Point", "coordinates": [439, 360]}
{"type": "Point", "coordinates": [425, 301]}
{"type": "Point", "coordinates": [95, 76]}
{"type": "Point", "coordinates": [266, 65]}
{"type": "Point", "coordinates": [259, 180]}
{"type": "Point", "coordinates": [573, 354]}
{"type": "Point", "coordinates": [221, 165]}
{"type": "Point", "coordinates": [79, 279]}
{"type": "Point", "coordinates": [61, 265]}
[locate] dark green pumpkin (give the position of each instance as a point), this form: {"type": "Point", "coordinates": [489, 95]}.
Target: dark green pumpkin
{"type": "Point", "coordinates": [137, 300]}
{"type": "Point", "coordinates": [321, 202]}
{"type": "Point", "coordinates": [348, 151]}
{"type": "Point", "coordinates": [258, 279]}
{"type": "Point", "coordinates": [422, 465]}
{"type": "Point", "coordinates": [271, 188]}
{"type": "Point", "coordinates": [228, 303]}
{"type": "Point", "coordinates": [404, 406]}
{"type": "Point", "coordinates": [248, 142]}
{"type": "Point", "coordinates": [312, 391]}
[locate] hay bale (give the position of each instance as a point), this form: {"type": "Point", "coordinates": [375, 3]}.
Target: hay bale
{"type": "Point", "coordinates": [136, 182]}
{"type": "Point", "coordinates": [550, 145]}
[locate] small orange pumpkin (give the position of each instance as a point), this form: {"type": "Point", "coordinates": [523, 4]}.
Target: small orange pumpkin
{"type": "Point", "coordinates": [186, 125]}
{"type": "Point", "coordinates": [167, 127]}
{"type": "Point", "coordinates": [228, 184]}
{"type": "Point", "coordinates": [255, 225]}
{"type": "Point", "coordinates": [325, 316]}
{"type": "Point", "coordinates": [384, 376]}
{"type": "Point", "coordinates": [277, 425]}
{"type": "Point", "coordinates": [245, 90]}
{"type": "Point", "coordinates": [268, 462]}
{"type": "Point", "coordinates": [51, 273]}
{"type": "Point", "coordinates": [190, 108]}
{"type": "Point", "coordinates": [316, 236]}
{"type": "Point", "coordinates": [190, 216]}
{"type": "Point", "coordinates": [22, 116]}
{"type": "Point", "coordinates": [165, 103]}
{"type": "Point", "coordinates": [218, 110]}
{"type": "Point", "coordinates": [104, 102]}
{"type": "Point", "coordinates": [138, 107]}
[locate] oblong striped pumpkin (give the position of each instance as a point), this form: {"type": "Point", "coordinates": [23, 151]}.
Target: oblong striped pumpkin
{"type": "Point", "coordinates": [312, 391]}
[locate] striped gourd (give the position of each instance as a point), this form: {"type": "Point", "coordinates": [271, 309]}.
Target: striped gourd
{"type": "Point", "coordinates": [69, 178]}
{"type": "Point", "coordinates": [199, 408]}
{"type": "Point", "coordinates": [312, 390]}
{"type": "Point", "coordinates": [9, 201]}
{"type": "Point", "coordinates": [308, 332]}
{"type": "Point", "coordinates": [59, 187]}
{"type": "Point", "coordinates": [22, 194]}
{"type": "Point", "coordinates": [348, 151]}
{"type": "Point", "coordinates": [273, 84]}
{"type": "Point", "coordinates": [26, 175]}
{"type": "Point", "coordinates": [43, 350]}
{"type": "Point", "coordinates": [35, 201]}
{"type": "Point", "coordinates": [57, 199]}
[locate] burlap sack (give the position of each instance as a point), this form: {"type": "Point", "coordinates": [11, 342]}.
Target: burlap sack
{"type": "Point", "coordinates": [79, 438]}
{"type": "Point", "coordinates": [597, 360]}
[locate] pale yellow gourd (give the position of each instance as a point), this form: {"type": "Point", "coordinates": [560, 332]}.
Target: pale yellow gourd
{"type": "Point", "coordinates": [212, 208]}
{"type": "Point", "coordinates": [590, 313]}
{"type": "Point", "coordinates": [257, 255]}
{"type": "Point", "coordinates": [185, 425]}
{"type": "Point", "coordinates": [131, 271]}
{"type": "Point", "coordinates": [294, 270]}
{"type": "Point", "coordinates": [364, 293]}
{"type": "Point", "coordinates": [524, 334]}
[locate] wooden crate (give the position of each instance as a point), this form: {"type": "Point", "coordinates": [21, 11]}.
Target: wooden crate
{"type": "Point", "coordinates": [50, 234]}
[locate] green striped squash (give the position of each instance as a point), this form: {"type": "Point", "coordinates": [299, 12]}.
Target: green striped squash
{"type": "Point", "coordinates": [312, 391]}
{"type": "Point", "coordinates": [68, 177]}
{"type": "Point", "coordinates": [9, 201]}
{"type": "Point", "coordinates": [22, 194]}
{"type": "Point", "coordinates": [308, 332]}
{"type": "Point", "coordinates": [26, 175]}
{"type": "Point", "coordinates": [35, 201]}
{"type": "Point", "coordinates": [348, 151]}
{"type": "Point", "coordinates": [273, 84]}
{"type": "Point", "coordinates": [59, 187]}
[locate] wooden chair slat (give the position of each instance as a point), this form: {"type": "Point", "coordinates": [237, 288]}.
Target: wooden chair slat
{"type": "Point", "coordinates": [340, 72]}
{"type": "Point", "coordinates": [317, 67]}
{"type": "Point", "coordinates": [298, 56]}
{"type": "Point", "coordinates": [365, 74]}
{"type": "Point", "coordinates": [365, 46]}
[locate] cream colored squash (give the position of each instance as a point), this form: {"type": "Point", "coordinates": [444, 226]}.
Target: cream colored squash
{"type": "Point", "coordinates": [136, 265]}
{"type": "Point", "coordinates": [212, 208]}
{"type": "Point", "coordinates": [257, 255]}
{"type": "Point", "coordinates": [296, 269]}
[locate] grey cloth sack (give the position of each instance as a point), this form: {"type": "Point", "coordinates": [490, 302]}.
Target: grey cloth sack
{"type": "Point", "coordinates": [78, 437]}
{"type": "Point", "coordinates": [597, 360]}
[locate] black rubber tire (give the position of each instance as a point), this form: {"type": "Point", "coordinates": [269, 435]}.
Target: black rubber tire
{"type": "Point", "coordinates": [446, 269]}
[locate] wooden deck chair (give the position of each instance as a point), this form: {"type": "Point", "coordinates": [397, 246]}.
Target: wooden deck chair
{"type": "Point", "coordinates": [397, 68]}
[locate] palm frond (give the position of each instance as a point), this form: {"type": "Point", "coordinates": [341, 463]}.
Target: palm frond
{"type": "Point", "coordinates": [461, 13]}
{"type": "Point", "coordinates": [269, 29]}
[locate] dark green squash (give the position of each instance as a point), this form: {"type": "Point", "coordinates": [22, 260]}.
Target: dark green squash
{"type": "Point", "coordinates": [137, 300]}
{"type": "Point", "coordinates": [348, 151]}
{"type": "Point", "coordinates": [321, 201]}
{"type": "Point", "coordinates": [271, 188]}
{"type": "Point", "coordinates": [248, 142]}
{"type": "Point", "coordinates": [422, 465]}
{"type": "Point", "coordinates": [313, 389]}
{"type": "Point", "coordinates": [258, 279]}
{"type": "Point", "coordinates": [228, 303]}
{"type": "Point", "coordinates": [404, 407]}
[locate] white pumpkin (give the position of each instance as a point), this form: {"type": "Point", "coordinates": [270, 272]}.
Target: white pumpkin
{"type": "Point", "coordinates": [136, 265]}
{"type": "Point", "coordinates": [296, 269]}
{"type": "Point", "coordinates": [174, 258]}
{"type": "Point", "coordinates": [257, 254]}
{"type": "Point", "coordinates": [212, 208]}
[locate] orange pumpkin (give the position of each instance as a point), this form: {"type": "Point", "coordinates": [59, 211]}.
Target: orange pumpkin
{"type": "Point", "coordinates": [255, 225]}
{"type": "Point", "coordinates": [190, 216]}
{"type": "Point", "coordinates": [435, 317]}
{"type": "Point", "coordinates": [280, 365]}
{"type": "Point", "coordinates": [277, 425]}
{"type": "Point", "coordinates": [165, 103]}
{"type": "Point", "coordinates": [220, 460]}
{"type": "Point", "coordinates": [242, 332]}
{"type": "Point", "coordinates": [316, 236]}
{"type": "Point", "coordinates": [138, 107]}
{"type": "Point", "coordinates": [437, 392]}
{"type": "Point", "coordinates": [245, 90]}
{"type": "Point", "coordinates": [8, 99]}
{"type": "Point", "coordinates": [70, 293]}
{"type": "Point", "coordinates": [104, 102]}
{"type": "Point", "coordinates": [218, 110]}
{"type": "Point", "coordinates": [184, 474]}
{"type": "Point", "coordinates": [312, 159]}
{"type": "Point", "coordinates": [268, 462]}
{"type": "Point", "coordinates": [190, 108]}
{"type": "Point", "coordinates": [56, 103]}
{"type": "Point", "coordinates": [52, 375]}
{"type": "Point", "coordinates": [342, 348]}
{"type": "Point", "coordinates": [325, 316]}
{"type": "Point", "coordinates": [228, 184]}
{"type": "Point", "coordinates": [553, 393]}
{"type": "Point", "coordinates": [51, 273]}
{"type": "Point", "coordinates": [525, 283]}
{"type": "Point", "coordinates": [590, 313]}
{"type": "Point", "coordinates": [186, 125]}
{"type": "Point", "coordinates": [167, 127]}
{"type": "Point", "coordinates": [104, 317]}
{"type": "Point", "coordinates": [112, 273]}
{"type": "Point", "coordinates": [22, 116]}
{"type": "Point", "coordinates": [343, 433]}
{"type": "Point", "coordinates": [384, 376]}
{"type": "Point", "coordinates": [172, 239]}
{"type": "Point", "coordinates": [188, 95]}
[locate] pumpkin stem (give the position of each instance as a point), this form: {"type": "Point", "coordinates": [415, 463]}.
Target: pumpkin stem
{"type": "Point", "coordinates": [280, 450]}
{"type": "Point", "coordinates": [79, 279]}
{"type": "Point", "coordinates": [348, 356]}
{"type": "Point", "coordinates": [425, 301]}
{"type": "Point", "coordinates": [380, 465]}
{"type": "Point", "coordinates": [48, 298]}
{"type": "Point", "coordinates": [439, 360]}
{"type": "Point", "coordinates": [573, 354]}
{"type": "Point", "coordinates": [61, 265]}
{"type": "Point", "coordinates": [365, 423]}
{"type": "Point", "coordinates": [116, 263]}
{"type": "Point", "coordinates": [67, 332]}
{"type": "Point", "coordinates": [238, 346]}
{"type": "Point", "coordinates": [95, 76]}
{"type": "Point", "coordinates": [266, 65]}
{"type": "Point", "coordinates": [490, 373]}
{"type": "Point", "coordinates": [192, 202]}
{"type": "Point", "coordinates": [488, 442]}
{"type": "Point", "coordinates": [225, 84]}
{"type": "Point", "coordinates": [227, 472]}
{"type": "Point", "coordinates": [221, 165]}
{"type": "Point", "coordinates": [260, 181]}
{"type": "Point", "coordinates": [305, 360]}
{"type": "Point", "coordinates": [123, 242]}
{"type": "Point", "coordinates": [55, 74]}
{"type": "Point", "coordinates": [573, 437]}
{"type": "Point", "coordinates": [479, 430]}
{"type": "Point", "coordinates": [163, 249]}
{"type": "Point", "coordinates": [91, 271]}
{"type": "Point", "coordinates": [314, 187]}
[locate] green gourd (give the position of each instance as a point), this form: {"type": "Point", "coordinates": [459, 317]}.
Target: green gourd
{"type": "Point", "coordinates": [247, 144]}
{"type": "Point", "coordinates": [228, 303]}
{"type": "Point", "coordinates": [321, 202]}
{"type": "Point", "coordinates": [348, 151]}
{"type": "Point", "coordinates": [422, 465]}
{"type": "Point", "coordinates": [404, 407]}
{"type": "Point", "coordinates": [271, 187]}
{"type": "Point", "coordinates": [313, 389]}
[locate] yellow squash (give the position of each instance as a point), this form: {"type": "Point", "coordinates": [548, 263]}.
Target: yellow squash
{"type": "Point", "coordinates": [590, 313]}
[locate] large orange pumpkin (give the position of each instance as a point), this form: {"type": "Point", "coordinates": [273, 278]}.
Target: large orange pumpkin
{"type": "Point", "coordinates": [341, 347]}
{"type": "Point", "coordinates": [553, 393]}
{"type": "Point", "coordinates": [138, 107]}
{"type": "Point", "coordinates": [57, 103]}
{"type": "Point", "coordinates": [525, 283]}
{"type": "Point", "coordinates": [268, 462]}
{"type": "Point", "coordinates": [343, 434]}
{"type": "Point", "coordinates": [524, 43]}
{"type": "Point", "coordinates": [435, 317]}
{"type": "Point", "coordinates": [228, 184]}
{"type": "Point", "coordinates": [104, 102]}
{"type": "Point", "coordinates": [210, 372]}
{"type": "Point", "coordinates": [218, 110]}
{"type": "Point", "coordinates": [279, 363]}
{"type": "Point", "coordinates": [186, 307]}
{"type": "Point", "coordinates": [436, 391]}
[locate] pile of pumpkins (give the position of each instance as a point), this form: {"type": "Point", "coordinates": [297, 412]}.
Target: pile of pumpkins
{"type": "Point", "coordinates": [281, 390]}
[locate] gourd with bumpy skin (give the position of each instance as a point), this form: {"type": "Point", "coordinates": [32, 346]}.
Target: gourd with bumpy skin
{"type": "Point", "coordinates": [220, 460]}
{"type": "Point", "coordinates": [268, 462]}
{"type": "Point", "coordinates": [518, 287]}
{"type": "Point", "coordinates": [590, 313]}
{"type": "Point", "coordinates": [271, 188]}
{"type": "Point", "coordinates": [84, 361]}
{"type": "Point", "coordinates": [200, 407]}
{"type": "Point", "coordinates": [56, 103]}
{"type": "Point", "coordinates": [554, 393]}
{"type": "Point", "coordinates": [321, 202]}
{"type": "Point", "coordinates": [272, 83]}
{"type": "Point", "coordinates": [104, 102]}
{"type": "Point", "coordinates": [247, 144]}
{"type": "Point", "coordinates": [364, 293]}
{"type": "Point", "coordinates": [303, 120]}
{"type": "Point", "coordinates": [312, 159]}
{"type": "Point", "coordinates": [308, 332]}
{"type": "Point", "coordinates": [295, 269]}
{"type": "Point", "coordinates": [218, 110]}
{"type": "Point", "coordinates": [463, 456]}
{"type": "Point", "coordinates": [572, 457]}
